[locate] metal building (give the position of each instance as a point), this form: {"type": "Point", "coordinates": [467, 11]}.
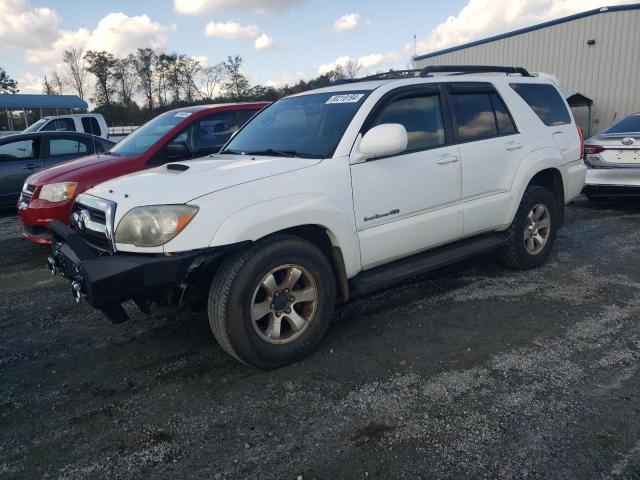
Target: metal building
{"type": "Point", "coordinates": [594, 54]}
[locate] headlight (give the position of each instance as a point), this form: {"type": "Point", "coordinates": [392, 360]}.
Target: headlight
{"type": "Point", "coordinates": [58, 192]}
{"type": "Point", "coordinates": [154, 225]}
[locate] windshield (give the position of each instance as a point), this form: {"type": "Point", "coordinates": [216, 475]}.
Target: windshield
{"type": "Point", "coordinates": [140, 140]}
{"type": "Point", "coordinates": [36, 126]}
{"type": "Point", "coordinates": [308, 126]}
{"type": "Point", "coordinates": [630, 124]}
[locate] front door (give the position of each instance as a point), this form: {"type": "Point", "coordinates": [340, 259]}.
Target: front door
{"type": "Point", "coordinates": [409, 202]}
{"type": "Point", "coordinates": [18, 159]}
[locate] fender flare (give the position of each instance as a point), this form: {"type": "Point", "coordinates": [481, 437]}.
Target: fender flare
{"type": "Point", "coordinates": [532, 164]}
{"type": "Point", "coordinates": [265, 218]}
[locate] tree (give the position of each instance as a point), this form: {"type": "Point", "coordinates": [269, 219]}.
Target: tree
{"type": "Point", "coordinates": [236, 84]}
{"type": "Point", "coordinates": [211, 78]}
{"type": "Point", "coordinates": [189, 70]}
{"type": "Point", "coordinates": [47, 86]}
{"type": "Point", "coordinates": [7, 84]}
{"type": "Point", "coordinates": [124, 74]}
{"type": "Point", "coordinates": [57, 82]}
{"type": "Point", "coordinates": [75, 69]}
{"type": "Point", "coordinates": [144, 62]}
{"type": "Point", "coordinates": [352, 67]}
{"type": "Point", "coordinates": [102, 64]}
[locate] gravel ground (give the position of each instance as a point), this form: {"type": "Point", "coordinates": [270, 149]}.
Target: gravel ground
{"type": "Point", "coordinates": [476, 371]}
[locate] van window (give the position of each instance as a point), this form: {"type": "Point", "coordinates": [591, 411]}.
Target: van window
{"type": "Point", "coordinates": [545, 101]}
{"type": "Point", "coordinates": [91, 125]}
{"type": "Point", "coordinates": [480, 115]}
{"type": "Point", "coordinates": [60, 125]}
{"type": "Point", "coordinates": [421, 116]}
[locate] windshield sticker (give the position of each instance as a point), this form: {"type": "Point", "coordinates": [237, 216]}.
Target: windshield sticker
{"type": "Point", "coordinates": [347, 98]}
{"type": "Point", "coordinates": [182, 114]}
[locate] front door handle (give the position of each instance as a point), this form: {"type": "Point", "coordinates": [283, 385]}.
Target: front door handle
{"type": "Point", "coordinates": [446, 159]}
{"type": "Point", "coordinates": [31, 166]}
{"type": "Point", "coordinates": [513, 146]}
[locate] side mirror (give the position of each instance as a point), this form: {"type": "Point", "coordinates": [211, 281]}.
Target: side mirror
{"type": "Point", "coordinates": [383, 140]}
{"type": "Point", "coordinates": [178, 151]}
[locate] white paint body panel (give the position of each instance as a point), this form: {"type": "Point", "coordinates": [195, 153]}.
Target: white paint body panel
{"type": "Point", "coordinates": [411, 201]}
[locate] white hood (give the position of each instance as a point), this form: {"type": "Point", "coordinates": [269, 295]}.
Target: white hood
{"type": "Point", "coordinates": [170, 185]}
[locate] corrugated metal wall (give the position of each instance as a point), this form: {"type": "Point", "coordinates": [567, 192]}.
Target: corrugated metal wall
{"type": "Point", "coordinates": [608, 72]}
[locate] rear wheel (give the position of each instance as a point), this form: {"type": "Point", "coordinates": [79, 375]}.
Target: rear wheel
{"type": "Point", "coordinates": [271, 304]}
{"type": "Point", "coordinates": [533, 231]}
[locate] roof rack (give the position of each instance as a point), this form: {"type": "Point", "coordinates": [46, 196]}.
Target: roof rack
{"type": "Point", "coordinates": [427, 71]}
{"type": "Point", "coordinates": [464, 69]}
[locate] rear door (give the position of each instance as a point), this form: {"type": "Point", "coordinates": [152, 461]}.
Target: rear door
{"type": "Point", "coordinates": [62, 148]}
{"type": "Point", "coordinates": [491, 150]}
{"type": "Point", "coordinates": [18, 159]}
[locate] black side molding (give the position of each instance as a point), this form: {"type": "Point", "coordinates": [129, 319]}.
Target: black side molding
{"type": "Point", "coordinates": [393, 273]}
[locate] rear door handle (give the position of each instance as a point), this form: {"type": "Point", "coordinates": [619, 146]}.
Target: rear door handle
{"type": "Point", "coordinates": [446, 158]}
{"type": "Point", "coordinates": [30, 166]}
{"type": "Point", "coordinates": [513, 146]}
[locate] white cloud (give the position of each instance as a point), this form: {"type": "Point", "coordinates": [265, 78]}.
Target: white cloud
{"type": "Point", "coordinates": [116, 33]}
{"type": "Point", "coordinates": [347, 22]}
{"type": "Point", "coordinates": [199, 7]}
{"type": "Point", "coordinates": [264, 41]}
{"type": "Point", "coordinates": [483, 18]}
{"type": "Point", "coordinates": [23, 26]}
{"type": "Point", "coordinates": [234, 30]}
{"type": "Point", "coordinates": [287, 80]}
{"type": "Point", "coordinates": [231, 30]}
{"type": "Point", "coordinates": [30, 83]}
{"type": "Point", "coordinates": [368, 63]}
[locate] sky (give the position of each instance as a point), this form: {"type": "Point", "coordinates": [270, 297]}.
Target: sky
{"type": "Point", "coordinates": [280, 41]}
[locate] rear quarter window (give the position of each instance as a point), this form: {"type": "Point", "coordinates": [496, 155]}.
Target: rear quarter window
{"type": "Point", "coordinates": [545, 101]}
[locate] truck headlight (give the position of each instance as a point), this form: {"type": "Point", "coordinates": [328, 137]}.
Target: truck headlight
{"type": "Point", "coordinates": [154, 225]}
{"type": "Point", "coordinates": [58, 192]}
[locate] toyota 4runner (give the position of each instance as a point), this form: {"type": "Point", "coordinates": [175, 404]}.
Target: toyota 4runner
{"type": "Point", "coordinates": [331, 194]}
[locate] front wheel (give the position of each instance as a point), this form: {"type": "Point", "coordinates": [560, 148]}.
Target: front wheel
{"type": "Point", "coordinates": [533, 231]}
{"type": "Point", "coordinates": [271, 304]}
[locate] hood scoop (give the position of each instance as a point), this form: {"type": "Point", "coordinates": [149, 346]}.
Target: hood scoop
{"type": "Point", "coordinates": [177, 167]}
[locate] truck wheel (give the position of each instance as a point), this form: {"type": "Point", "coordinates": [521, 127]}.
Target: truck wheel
{"type": "Point", "coordinates": [269, 305]}
{"type": "Point", "coordinates": [533, 231]}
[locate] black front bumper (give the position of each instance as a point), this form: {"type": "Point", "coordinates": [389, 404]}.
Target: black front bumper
{"type": "Point", "coordinates": [106, 281]}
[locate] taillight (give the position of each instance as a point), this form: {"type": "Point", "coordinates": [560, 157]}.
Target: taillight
{"type": "Point", "coordinates": [581, 142]}
{"type": "Point", "coordinates": [593, 149]}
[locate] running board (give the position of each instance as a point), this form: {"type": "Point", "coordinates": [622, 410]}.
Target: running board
{"type": "Point", "coordinates": [388, 275]}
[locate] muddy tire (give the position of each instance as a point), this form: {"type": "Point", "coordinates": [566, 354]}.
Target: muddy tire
{"type": "Point", "coordinates": [533, 232]}
{"type": "Point", "coordinates": [270, 305]}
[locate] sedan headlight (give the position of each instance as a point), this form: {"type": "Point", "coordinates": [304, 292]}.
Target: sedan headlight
{"type": "Point", "coordinates": [58, 192]}
{"type": "Point", "coordinates": [154, 225]}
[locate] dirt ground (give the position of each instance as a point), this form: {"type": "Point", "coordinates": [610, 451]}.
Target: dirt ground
{"type": "Point", "coordinates": [474, 372]}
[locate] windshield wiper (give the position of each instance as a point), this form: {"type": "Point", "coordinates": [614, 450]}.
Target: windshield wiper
{"type": "Point", "coordinates": [273, 153]}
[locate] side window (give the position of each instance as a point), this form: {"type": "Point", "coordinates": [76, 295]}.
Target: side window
{"type": "Point", "coordinates": [208, 134]}
{"type": "Point", "coordinates": [59, 147]}
{"type": "Point", "coordinates": [60, 125]}
{"type": "Point", "coordinates": [21, 150]}
{"type": "Point", "coordinates": [90, 125]}
{"type": "Point", "coordinates": [474, 116]}
{"type": "Point", "coordinates": [545, 101]}
{"type": "Point", "coordinates": [503, 118]}
{"type": "Point", "coordinates": [421, 115]}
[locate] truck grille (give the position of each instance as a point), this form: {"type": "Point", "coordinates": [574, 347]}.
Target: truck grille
{"type": "Point", "coordinates": [92, 218]}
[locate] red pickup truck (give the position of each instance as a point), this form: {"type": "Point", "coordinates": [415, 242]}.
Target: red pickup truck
{"type": "Point", "coordinates": [179, 134]}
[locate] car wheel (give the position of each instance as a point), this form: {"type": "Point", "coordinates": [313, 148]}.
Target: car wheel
{"type": "Point", "coordinates": [533, 231]}
{"type": "Point", "coordinates": [270, 305]}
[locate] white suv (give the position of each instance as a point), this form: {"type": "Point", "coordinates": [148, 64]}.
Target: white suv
{"type": "Point", "coordinates": [331, 194]}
